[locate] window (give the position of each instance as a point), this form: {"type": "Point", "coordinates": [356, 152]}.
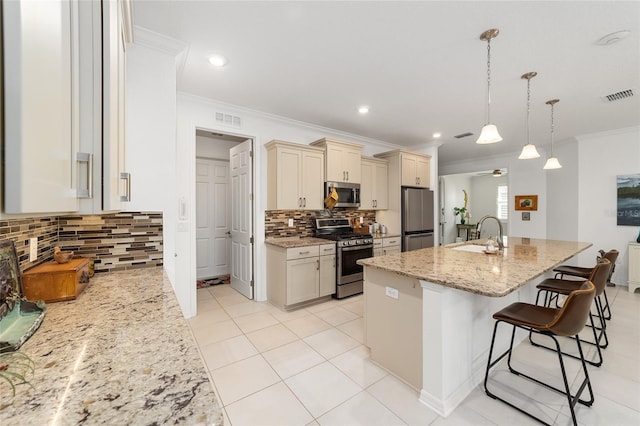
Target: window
{"type": "Point", "coordinates": [502, 202]}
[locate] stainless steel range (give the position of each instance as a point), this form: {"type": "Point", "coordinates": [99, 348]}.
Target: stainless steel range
{"type": "Point", "coordinates": [350, 247]}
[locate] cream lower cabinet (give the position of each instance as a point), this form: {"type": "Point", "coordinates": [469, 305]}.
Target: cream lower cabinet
{"type": "Point", "coordinates": [374, 189]}
{"type": "Point", "coordinates": [298, 275]}
{"type": "Point", "coordinates": [327, 269]}
{"type": "Point", "coordinates": [386, 245]}
{"type": "Point", "coordinates": [295, 176]}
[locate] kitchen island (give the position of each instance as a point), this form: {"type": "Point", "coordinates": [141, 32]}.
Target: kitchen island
{"type": "Point", "coordinates": [428, 313]}
{"type": "Point", "coordinates": [122, 353]}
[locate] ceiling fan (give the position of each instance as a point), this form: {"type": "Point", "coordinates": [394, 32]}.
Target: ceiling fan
{"type": "Point", "coordinates": [494, 173]}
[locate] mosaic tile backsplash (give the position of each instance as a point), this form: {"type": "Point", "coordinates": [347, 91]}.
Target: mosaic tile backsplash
{"type": "Point", "coordinates": [276, 221]}
{"type": "Point", "coordinates": [116, 241]}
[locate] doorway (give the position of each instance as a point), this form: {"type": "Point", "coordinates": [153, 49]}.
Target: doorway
{"type": "Point", "coordinates": [485, 195]}
{"type": "Point", "coordinates": [224, 211]}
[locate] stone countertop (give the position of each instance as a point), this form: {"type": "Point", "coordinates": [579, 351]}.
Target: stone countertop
{"type": "Point", "coordinates": [494, 275]}
{"type": "Point", "coordinates": [381, 236]}
{"type": "Point", "coordinates": [122, 353]}
{"type": "Point", "coordinates": [292, 242]}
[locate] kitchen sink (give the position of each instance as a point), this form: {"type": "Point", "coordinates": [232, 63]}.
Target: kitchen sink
{"type": "Point", "coordinates": [470, 247]}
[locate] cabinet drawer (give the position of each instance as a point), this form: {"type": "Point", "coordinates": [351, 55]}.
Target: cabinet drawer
{"type": "Point", "coordinates": [302, 252]}
{"type": "Point", "coordinates": [377, 243]}
{"type": "Point", "coordinates": [327, 249]}
{"type": "Point", "coordinates": [393, 241]}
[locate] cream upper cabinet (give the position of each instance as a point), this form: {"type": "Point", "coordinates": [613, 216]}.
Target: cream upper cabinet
{"type": "Point", "coordinates": [116, 181]}
{"type": "Point", "coordinates": [295, 176]}
{"type": "Point", "coordinates": [342, 159]}
{"type": "Point", "coordinates": [374, 189]}
{"type": "Point", "coordinates": [40, 49]}
{"type": "Point", "coordinates": [415, 170]}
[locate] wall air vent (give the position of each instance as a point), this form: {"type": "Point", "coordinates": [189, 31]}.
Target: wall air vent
{"type": "Point", "coordinates": [463, 135]}
{"type": "Point", "coordinates": [228, 120]}
{"type": "Point", "coordinates": [623, 94]}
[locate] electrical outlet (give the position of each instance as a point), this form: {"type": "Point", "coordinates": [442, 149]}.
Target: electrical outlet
{"type": "Point", "coordinates": [33, 249]}
{"type": "Point", "coordinates": [391, 292]}
{"type": "Point", "coordinates": [361, 220]}
{"type": "Point", "coordinates": [290, 223]}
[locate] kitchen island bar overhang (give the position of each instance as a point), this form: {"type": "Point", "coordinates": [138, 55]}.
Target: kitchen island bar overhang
{"type": "Point", "coordinates": [428, 313]}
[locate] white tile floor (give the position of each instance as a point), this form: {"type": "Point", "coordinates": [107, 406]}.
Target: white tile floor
{"type": "Point", "coordinates": [309, 367]}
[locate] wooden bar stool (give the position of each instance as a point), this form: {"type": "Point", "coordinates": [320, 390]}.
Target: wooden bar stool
{"type": "Point", "coordinates": [577, 271]}
{"type": "Point", "coordinates": [553, 287]}
{"type": "Point", "coordinates": [568, 320]}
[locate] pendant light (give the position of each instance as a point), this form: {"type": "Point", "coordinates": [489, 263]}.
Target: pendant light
{"type": "Point", "coordinates": [552, 162]}
{"type": "Point", "coordinates": [529, 151]}
{"type": "Point", "coordinates": [489, 133]}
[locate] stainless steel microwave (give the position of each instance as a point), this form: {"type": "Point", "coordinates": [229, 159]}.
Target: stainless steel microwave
{"type": "Point", "coordinates": [348, 193]}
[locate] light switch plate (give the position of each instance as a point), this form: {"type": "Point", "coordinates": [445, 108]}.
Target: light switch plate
{"type": "Point", "coordinates": [361, 220]}
{"type": "Point", "coordinates": [33, 249]}
{"type": "Point", "coordinates": [290, 223]}
{"type": "Point", "coordinates": [391, 292]}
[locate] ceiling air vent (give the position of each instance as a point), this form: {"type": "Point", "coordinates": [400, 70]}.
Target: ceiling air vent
{"type": "Point", "coordinates": [463, 135]}
{"type": "Point", "coordinates": [623, 94]}
{"type": "Point", "coordinates": [228, 119]}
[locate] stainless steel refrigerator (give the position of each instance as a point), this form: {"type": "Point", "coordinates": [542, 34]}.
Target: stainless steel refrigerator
{"type": "Point", "coordinates": [417, 218]}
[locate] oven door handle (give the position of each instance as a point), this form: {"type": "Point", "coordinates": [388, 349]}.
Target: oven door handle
{"type": "Point", "coordinates": [353, 248]}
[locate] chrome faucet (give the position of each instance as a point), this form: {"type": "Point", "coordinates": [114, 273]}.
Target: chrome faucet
{"type": "Point", "coordinates": [500, 235]}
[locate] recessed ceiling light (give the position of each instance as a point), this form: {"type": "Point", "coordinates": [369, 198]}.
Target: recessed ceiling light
{"type": "Point", "coordinates": [437, 135]}
{"type": "Point", "coordinates": [363, 109]}
{"type": "Point", "coordinates": [218, 60]}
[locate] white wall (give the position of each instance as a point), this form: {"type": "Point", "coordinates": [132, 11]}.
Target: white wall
{"type": "Point", "coordinates": [602, 157]}
{"type": "Point", "coordinates": [525, 177]}
{"type": "Point", "coordinates": [453, 197]}
{"type": "Point", "coordinates": [151, 131]}
{"type": "Point", "coordinates": [211, 147]}
{"type": "Point", "coordinates": [578, 201]}
{"type": "Point", "coordinates": [484, 198]}
{"type": "Point", "coordinates": [199, 113]}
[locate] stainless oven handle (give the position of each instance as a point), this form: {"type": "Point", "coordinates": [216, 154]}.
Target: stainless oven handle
{"type": "Point", "coordinates": [354, 248]}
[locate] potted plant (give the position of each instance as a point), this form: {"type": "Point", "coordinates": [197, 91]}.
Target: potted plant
{"type": "Point", "coordinates": [462, 212]}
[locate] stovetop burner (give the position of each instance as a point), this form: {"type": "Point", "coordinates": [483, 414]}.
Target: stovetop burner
{"type": "Point", "coordinates": [340, 230]}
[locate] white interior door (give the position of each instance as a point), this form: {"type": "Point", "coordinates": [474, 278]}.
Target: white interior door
{"type": "Point", "coordinates": [241, 218]}
{"type": "Point", "coordinates": [213, 217]}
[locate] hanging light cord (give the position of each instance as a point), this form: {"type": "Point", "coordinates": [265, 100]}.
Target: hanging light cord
{"type": "Point", "coordinates": [552, 130]}
{"type": "Point", "coordinates": [528, 107]}
{"type": "Point", "coordinates": [489, 80]}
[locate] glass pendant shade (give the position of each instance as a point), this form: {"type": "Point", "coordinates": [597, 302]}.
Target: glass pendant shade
{"type": "Point", "coordinates": [552, 163]}
{"type": "Point", "coordinates": [529, 151]}
{"type": "Point", "coordinates": [489, 134]}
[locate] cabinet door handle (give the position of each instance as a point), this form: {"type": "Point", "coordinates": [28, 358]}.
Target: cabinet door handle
{"type": "Point", "coordinates": [300, 202]}
{"type": "Point", "coordinates": [304, 252]}
{"type": "Point", "coordinates": [328, 249]}
{"type": "Point", "coordinates": [83, 157]}
{"type": "Point", "coordinates": [126, 177]}
{"type": "Point", "coordinates": [318, 265]}
{"type": "Point", "coordinates": [347, 175]}
{"type": "Point", "coordinates": [304, 202]}
{"type": "Point", "coordinates": [334, 261]}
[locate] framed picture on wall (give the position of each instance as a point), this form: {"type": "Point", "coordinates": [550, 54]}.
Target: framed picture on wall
{"type": "Point", "coordinates": [629, 200]}
{"type": "Point", "coordinates": [526, 202]}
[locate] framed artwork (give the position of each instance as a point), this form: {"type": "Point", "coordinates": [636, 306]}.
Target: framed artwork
{"type": "Point", "coordinates": [526, 202]}
{"type": "Point", "coordinates": [629, 200]}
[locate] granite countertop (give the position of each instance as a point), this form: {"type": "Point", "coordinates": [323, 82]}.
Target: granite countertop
{"type": "Point", "coordinates": [381, 236]}
{"type": "Point", "coordinates": [122, 353]}
{"type": "Point", "coordinates": [292, 242]}
{"type": "Point", "coordinates": [494, 275]}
